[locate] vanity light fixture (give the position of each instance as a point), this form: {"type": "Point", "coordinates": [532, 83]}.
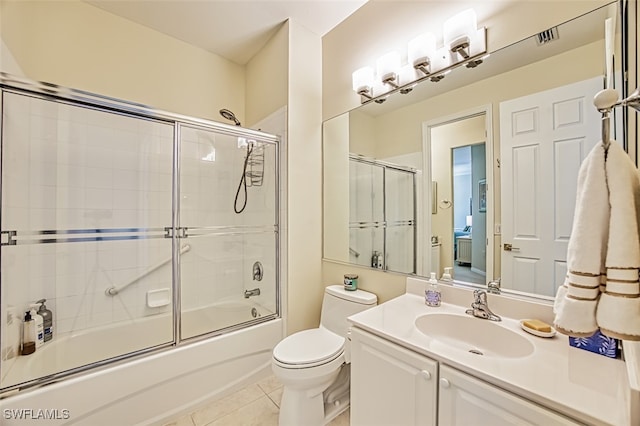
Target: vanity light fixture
{"type": "Point", "coordinates": [458, 32]}
{"type": "Point", "coordinates": [464, 44]}
{"type": "Point", "coordinates": [363, 80]}
{"type": "Point", "coordinates": [388, 67]}
{"type": "Point", "coordinates": [421, 52]}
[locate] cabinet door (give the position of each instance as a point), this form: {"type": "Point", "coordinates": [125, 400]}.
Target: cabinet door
{"type": "Point", "coordinates": [390, 385]}
{"type": "Point", "coordinates": [464, 401]}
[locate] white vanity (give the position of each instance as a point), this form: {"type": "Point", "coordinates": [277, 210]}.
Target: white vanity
{"type": "Point", "coordinates": [410, 369]}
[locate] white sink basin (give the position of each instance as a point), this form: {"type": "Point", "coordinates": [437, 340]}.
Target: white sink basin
{"type": "Point", "coordinates": [475, 335]}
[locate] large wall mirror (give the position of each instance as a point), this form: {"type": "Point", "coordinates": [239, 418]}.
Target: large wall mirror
{"type": "Point", "coordinates": [476, 172]}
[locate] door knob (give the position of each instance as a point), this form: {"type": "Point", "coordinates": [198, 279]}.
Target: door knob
{"type": "Point", "coordinates": [426, 375]}
{"type": "Point", "coordinates": [444, 383]}
{"type": "Point", "coordinates": [509, 247]}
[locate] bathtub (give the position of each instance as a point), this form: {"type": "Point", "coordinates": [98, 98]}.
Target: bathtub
{"type": "Point", "coordinates": [151, 388]}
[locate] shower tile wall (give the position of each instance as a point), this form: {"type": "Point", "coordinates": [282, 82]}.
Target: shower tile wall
{"type": "Point", "coordinates": [66, 167]}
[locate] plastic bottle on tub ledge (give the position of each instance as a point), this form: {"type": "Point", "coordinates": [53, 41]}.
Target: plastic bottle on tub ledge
{"type": "Point", "coordinates": [28, 335]}
{"type": "Point", "coordinates": [39, 324]}
{"type": "Point", "coordinates": [47, 320]}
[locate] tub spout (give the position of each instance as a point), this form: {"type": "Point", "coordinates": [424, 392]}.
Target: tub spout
{"type": "Point", "coordinates": [249, 293]}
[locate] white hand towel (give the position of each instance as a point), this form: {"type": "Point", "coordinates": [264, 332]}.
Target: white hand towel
{"type": "Point", "coordinates": [576, 300]}
{"type": "Point", "coordinates": [618, 312]}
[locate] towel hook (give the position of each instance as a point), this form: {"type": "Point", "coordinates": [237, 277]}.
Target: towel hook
{"type": "Point", "coordinates": [605, 100]}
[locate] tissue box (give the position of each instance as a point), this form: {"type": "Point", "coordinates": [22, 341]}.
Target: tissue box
{"type": "Point", "coordinates": [597, 343]}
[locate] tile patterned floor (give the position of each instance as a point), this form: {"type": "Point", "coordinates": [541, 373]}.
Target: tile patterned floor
{"type": "Point", "coordinates": [256, 405]}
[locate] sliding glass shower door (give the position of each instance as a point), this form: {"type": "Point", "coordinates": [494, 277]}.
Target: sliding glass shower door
{"type": "Point", "coordinates": [228, 219]}
{"type": "Point", "coordinates": [86, 200]}
{"type": "Point", "coordinates": [138, 229]}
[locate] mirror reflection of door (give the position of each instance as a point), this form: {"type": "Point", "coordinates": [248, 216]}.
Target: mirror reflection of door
{"type": "Point", "coordinates": [458, 166]}
{"type": "Point", "coordinates": [469, 203]}
{"type": "Point", "coordinates": [544, 138]}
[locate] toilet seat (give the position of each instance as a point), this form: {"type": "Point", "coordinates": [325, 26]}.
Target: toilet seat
{"type": "Point", "coordinates": [308, 348]}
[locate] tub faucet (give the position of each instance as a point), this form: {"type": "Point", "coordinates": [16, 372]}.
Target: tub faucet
{"type": "Point", "coordinates": [480, 307]}
{"type": "Point", "coordinates": [249, 293]}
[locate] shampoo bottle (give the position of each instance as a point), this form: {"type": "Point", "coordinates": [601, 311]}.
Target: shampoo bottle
{"type": "Point", "coordinates": [28, 335]}
{"type": "Point", "coordinates": [432, 294]}
{"type": "Point", "coordinates": [39, 324]}
{"type": "Point", "coordinates": [47, 320]}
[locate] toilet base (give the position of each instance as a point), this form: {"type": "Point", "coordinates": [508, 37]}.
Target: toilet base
{"type": "Point", "coordinates": [312, 408]}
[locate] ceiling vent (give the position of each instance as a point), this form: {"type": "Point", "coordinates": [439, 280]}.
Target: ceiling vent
{"type": "Point", "coordinates": [547, 36]}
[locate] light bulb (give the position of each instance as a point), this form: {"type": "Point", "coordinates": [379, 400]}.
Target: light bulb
{"type": "Point", "coordinates": [422, 49]}
{"type": "Point", "coordinates": [460, 28]}
{"type": "Point", "coordinates": [362, 80]}
{"type": "Point", "coordinates": [387, 66]}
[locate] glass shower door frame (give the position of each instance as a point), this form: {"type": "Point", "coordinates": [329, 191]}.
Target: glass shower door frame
{"type": "Point", "coordinates": [9, 84]}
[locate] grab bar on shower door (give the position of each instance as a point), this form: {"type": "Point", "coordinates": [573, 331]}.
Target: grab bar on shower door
{"type": "Point", "coordinates": [112, 291]}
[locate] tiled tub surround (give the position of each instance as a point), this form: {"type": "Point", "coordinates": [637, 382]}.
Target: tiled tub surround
{"type": "Point", "coordinates": [587, 387]}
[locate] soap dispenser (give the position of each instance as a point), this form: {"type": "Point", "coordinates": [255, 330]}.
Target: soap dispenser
{"type": "Point", "coordinates": [432, 296]}
{"type": "Point", "coordinates": [39, 324]}
{"type": "Point", "coordinates": [447, 274]}
{"type": "Point", "coordinates": [28, 335]}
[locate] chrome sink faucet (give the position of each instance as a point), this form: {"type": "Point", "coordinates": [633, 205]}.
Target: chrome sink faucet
{"type": "Point", "coordinates": [480, 307]}
{"type": "Point", "coordinates": [249, 293]}
{"type": "Point", "coordinates": [493, 286]}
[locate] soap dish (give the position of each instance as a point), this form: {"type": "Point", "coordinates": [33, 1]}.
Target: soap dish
{"type": "Point", "coordinates": [536, 332]}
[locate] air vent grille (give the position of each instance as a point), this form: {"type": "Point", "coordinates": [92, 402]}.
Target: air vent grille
{"type": "Point", "coordinates": [547, 36]}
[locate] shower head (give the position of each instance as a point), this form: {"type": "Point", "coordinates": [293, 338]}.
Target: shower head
{"type": "Point", "coordinates": [229, 116]}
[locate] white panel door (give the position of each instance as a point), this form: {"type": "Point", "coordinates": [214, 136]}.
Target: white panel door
{"type": "Point", "coordinates": [464, 401]}
{"type": "Point", "coordinates": [543, 139]}
{"type": "Point", "coordinates": [390, 385]}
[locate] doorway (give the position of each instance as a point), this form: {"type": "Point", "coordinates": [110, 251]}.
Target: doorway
{"type": "Point", "coordinates": [460, 214]}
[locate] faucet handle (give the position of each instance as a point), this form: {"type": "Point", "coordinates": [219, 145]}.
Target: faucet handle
{"type": "Point", "coordinates": [480, 296]}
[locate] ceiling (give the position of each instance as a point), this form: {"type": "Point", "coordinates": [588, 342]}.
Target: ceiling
{"type": "Point", "coordinates": [233, 29]}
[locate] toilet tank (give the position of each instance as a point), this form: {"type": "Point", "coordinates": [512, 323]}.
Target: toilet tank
{"type": "Point", "coordinates": [338, 304]}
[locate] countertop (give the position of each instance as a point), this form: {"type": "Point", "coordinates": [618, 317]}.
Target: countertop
{"type": "Point", "coordinates": [588, 387]}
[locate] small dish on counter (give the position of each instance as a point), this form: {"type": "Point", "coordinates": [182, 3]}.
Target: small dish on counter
{"type": "Point", "coordinates": [537, 332]}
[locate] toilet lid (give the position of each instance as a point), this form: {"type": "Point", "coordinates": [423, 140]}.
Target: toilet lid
{"type": "Point", "coordinates": [308, 346]}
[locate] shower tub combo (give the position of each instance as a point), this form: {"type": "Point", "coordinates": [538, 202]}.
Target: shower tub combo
{"type": "Point", "coordinates": [154, 239]}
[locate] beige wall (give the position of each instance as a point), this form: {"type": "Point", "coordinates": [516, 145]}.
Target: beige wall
{"type": "Point", "coordinates": [267, 77]}
{"type": "Point", "coordinates": [362, 134]}
{"type": "Point", "coordinates": [380, 26]}
{"type": "Point", "coordinates": [305, 286]}
{"type": "Point", "coordinates": [74, 44]}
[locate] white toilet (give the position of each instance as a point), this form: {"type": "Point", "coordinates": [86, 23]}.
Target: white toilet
{"type": "Point", "coordinates": [313, 365]}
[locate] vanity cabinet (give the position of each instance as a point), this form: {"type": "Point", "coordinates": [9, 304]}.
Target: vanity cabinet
{"type": "Point", "coordinates": [390, 385]}
{"type": "Point", "coordinates": [465, 400]}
